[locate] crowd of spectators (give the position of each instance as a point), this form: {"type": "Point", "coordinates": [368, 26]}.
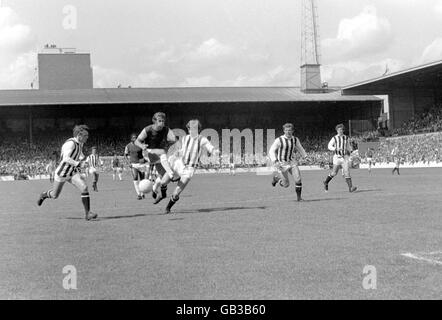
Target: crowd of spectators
{"type": "Point", "coordinates": [19, 158]}
{"type": "Point", "coordinates": [428, 121]}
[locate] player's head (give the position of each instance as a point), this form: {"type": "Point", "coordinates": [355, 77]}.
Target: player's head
{"type": "Point", "coordinates": [288, 128]}
{"type": "Point", "coordinates": [159, 120]}
{"type": "Point", "coordinates": [194, 124]}
{"type": "Point", "coordinates": [94, 150]}
{"type": "Point", "coordinates": [133, 137]}
{"type": "Point", "coordinates": [340, 129]}
{"type": "Point", "coordinates": [81, 132]}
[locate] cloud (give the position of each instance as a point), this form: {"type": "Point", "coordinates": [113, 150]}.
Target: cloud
{"type": "Point", "coordinates": [206, 63]}
{"type": "Point", "coordinates": [350, 72]}
{"type": "Point", "coordinates": [111, 78]}
{"type": "Point", "coordinates": [211, 49]}
{"type": "Point", "coordinates": [438, 7]}
{"type": "Point", "coordinates": [361, 35]}
{"type": "Point", "coordinates": [432, 52]}
{"type": "Point", "coordinates": [18, 60]}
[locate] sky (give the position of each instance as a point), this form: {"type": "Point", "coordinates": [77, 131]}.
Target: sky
{"type": "Point", "coordinates": [186, 43]}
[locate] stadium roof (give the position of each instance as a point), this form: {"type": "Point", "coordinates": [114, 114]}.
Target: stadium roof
{"type": "Point", "coordinates": [426, 72]}
{"type": "Point", "coordinates": [171, 95]}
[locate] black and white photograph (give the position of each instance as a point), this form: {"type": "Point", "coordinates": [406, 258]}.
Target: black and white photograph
{"type": "Point", "coordinates": [221, 154]}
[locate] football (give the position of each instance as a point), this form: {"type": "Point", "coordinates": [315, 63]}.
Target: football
{"type": "Point", "coordinates": [145, 186]}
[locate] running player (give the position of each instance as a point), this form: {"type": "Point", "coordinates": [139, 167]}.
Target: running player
{"type": "Point", "coordinates": [397, 162]}
{"type": "Point", "coordinates": [72, 160]}
{"type": "Point", "coordinates": [369, 157]}
{"type": "Point", "coordinates": [282, 154]}
{"type": "Point", "coordinates": [185, 161]}
{"type": "Point", "coordinates": [94, 162]}
{"type": "Point", "coordinates": [134, 157]}
{"type": "Point", "coordinates": [156, 139]}
{"type": "Point", "coordinates": [52, 165]}
{"type": "Point", "coordinates": [340, 145]}
{"type": "Point", "coordinates": [117, 168]}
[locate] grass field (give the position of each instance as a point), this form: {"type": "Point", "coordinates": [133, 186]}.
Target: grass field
{"type": "Point", "coordinates": [231, 237]}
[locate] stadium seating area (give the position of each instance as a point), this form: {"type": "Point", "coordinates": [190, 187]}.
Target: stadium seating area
{"type": "Point", "coordinates": [428, 121]}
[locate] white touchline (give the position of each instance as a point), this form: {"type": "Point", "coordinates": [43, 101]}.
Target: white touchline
{"type": "Point", "coordinates": [413, 256]}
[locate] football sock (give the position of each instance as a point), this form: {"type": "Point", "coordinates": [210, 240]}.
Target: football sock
{"type": "Point", "coordinates": [328, 179]}
{"type": "Point", "coordinates": [298, 187]}
{"type": "Point", "coordinates": [137, 189]}
{"type": "Point", "coordinates": [172, 201]}
{"type": "Point", "coordinates": [350, 185]}
{"type": "Point", "coordinates": [164, 191]}
{"type": "Point", "coordinates": [86, 201]}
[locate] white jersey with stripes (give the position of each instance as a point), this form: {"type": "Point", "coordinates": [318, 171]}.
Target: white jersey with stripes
{"type": "Point", "coordinates": [283, 149]}
{"type": "Point", "coordinates": [191, 149]}
{"type": "Point", "coordinates": [340, 145]}
{"type": "Point", "coordinates": [71, 154]}
{"type": "Point", "coordinates": [93, 160]}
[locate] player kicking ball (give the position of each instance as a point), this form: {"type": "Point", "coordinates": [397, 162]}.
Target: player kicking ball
{"type": "Point", "coordinates": [185, 161]}
{"type": "Point", "coordinates": [342, 149]}
{"type": "Point", "coordinates": [72, 160]}
{"type": "Point", "coordinates": [154, 140]}
{"type": "Point", "coordinates": [282, 154]}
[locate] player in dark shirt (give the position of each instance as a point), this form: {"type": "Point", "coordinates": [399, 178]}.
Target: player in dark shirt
{"type": "Point", "coordinates": [134, 157]}
{"type": "Point", "coordinates": [156, 139]}
{"type": "Point", "coordinates": [117, 168]}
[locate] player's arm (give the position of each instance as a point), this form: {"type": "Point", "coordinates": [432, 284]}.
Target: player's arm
{"type": "Point", "coordinates": [331, 144]}
{"type": "Point", "coordinates": [126, 156]}
{"type": "Point", "coordinates": [205, 143]}
{"type": "Point", "coordinates": [273, 150]}
{"type": "Point", "coordinates": [300, 148]}
{"type": "Point", "coordinates": [68, 149]}
{"type": "Point", "coordinates": [349, 146]}
{"type": "Point", "coordinates": [141, 137]}
{"type": "Point", "coordinates": [171, 138]}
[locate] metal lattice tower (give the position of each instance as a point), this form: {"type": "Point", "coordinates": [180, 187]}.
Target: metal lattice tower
{"type": "Point", "coordinates": [310, 51]}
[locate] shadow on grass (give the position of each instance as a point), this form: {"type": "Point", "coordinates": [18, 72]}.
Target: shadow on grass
{"type": "Point", "coordinates": [325, 199]}
{"type": "Point", "coordinates": [115, 217]}
{"type": "Point", "coordinates": [367, 190]}
{"type": "Point", "coordinates": [220, 209]}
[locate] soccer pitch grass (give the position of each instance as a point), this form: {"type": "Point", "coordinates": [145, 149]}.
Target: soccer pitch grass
{"type": "Point", "coordinates": [230, 237]}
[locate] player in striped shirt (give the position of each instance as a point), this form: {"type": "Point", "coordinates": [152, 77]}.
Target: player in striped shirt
{"type": "Point", "coordinates": [282, 154]}
{"type": "Point", "coordinates": [186, 160]}
{"type": "Point", "coordinates": [93, 161]}
{"type": "Point", "coordinates": [341, 146]}
{"type": "Point", "coordinates": [369, 157]}
{"type": "Point", "coordinates": [72, 160]}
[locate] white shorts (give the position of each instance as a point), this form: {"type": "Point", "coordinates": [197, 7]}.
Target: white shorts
{"type": "Point", "coordinates": [181, 170]}
{"type": "Point", "coordinates": [340, 160]}
{"type": "Point", "coordinates": [369, 159]}
{"type": "Point", "coordinates": [287, 165]}
{"type": "Point", "coordinates": [92, 170]}
{"type": "Point", "coordinates": [69, 178]}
